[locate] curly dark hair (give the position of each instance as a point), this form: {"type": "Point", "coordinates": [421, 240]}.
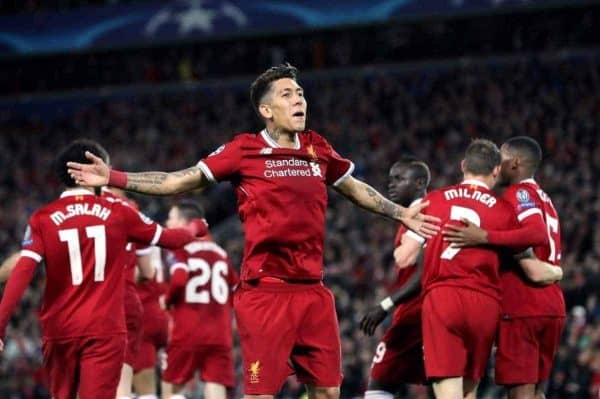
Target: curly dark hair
{"type": "Point", "coordinates": [262, 84]}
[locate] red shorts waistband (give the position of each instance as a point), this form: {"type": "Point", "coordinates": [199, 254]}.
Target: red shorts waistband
{"type": "Point", "coordinates": [279, 284]}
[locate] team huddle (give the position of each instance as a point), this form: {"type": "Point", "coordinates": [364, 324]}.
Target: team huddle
{"type": "Point", "coordinates": [475, 269]}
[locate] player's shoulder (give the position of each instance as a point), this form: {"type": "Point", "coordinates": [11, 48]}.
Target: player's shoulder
{"type": "Point", "coordinates": [504, 205]}
{"type": "Point", "coordinates": [240, 141]}
{"type": "Point", "coordinates": [245, 137]}
{"type": "Point", "coordinates": [312, 137]}
{"type": "Point", "coordinates": [437, 194]}
{"type": "Point", "coordinates": [522, 195]}
{"type": "Point", "coordinates": [204, 245]}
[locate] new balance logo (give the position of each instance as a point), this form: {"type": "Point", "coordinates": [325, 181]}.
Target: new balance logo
{"type": "Point", "coordinates": [266, 151]}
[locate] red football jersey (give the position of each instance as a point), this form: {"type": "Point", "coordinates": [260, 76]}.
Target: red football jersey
{"type": "Point", "coordinates": [282, 198]}
{"type": "Point", "coordinates": [133, 305]}
{"type": "Point", "coordinates": [520, 297]}
{"type": "Point", "coordinates": [202, 308]}
{"type": "Point", "coordinates": [476, 268]}
{"type": "Point", "coordinates": [82, 239]}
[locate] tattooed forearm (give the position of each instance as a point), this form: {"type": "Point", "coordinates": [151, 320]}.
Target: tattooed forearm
{"type": "Point", "coordinates": [161, 183]}
{"type": "Point", "coordinates": [194, 170]}
{"type": "Point", "coordinates": [382, 205]}
{"type": "Point", "coordinates": [146, 182]}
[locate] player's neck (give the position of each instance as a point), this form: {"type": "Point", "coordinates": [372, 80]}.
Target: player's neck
{"type": "Point", "coordinates": [79, 188]}
{"type": "Point", "coordinates": [282, 137]}
{"type": "Point", "coordinates": [488, 181]}
{"type": "Point", "coordinates": [522, 177]}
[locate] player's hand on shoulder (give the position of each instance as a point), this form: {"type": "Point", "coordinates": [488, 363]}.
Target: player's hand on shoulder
{"type": "Point", "coordinates": [95, 174]}
{"type": "Point", "coordinates": [466, 235]}
{"type": "Point", "coordinates": [426, 226]}
{"type": "Point", "coordinates": [198, 227]}
{"type": "Point", "coordinates": [372, 319]}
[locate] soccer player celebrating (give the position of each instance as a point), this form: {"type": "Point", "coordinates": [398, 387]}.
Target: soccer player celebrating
{"type": "Point", "coordinates": [461, 286]}
{"type": "Point", "coordinates": [199, 295]}
{"type": "Point", "coordinates": [532, 316]}
{"type": "Point", "coordinates": [82, 239]}
{"type": "Point", "coordinates": [286, 317]}
{"type": "Point", "coordinates": [399, 356]}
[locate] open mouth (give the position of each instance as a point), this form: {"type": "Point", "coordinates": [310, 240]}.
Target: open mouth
{"type": "Point", "coordinates": [298, 114]}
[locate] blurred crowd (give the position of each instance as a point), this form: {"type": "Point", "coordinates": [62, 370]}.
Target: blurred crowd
{"type": "Point", "coordinates": [395, 41]}
{"type": "Point", "coordinates": [373, 116]}
{"type": "Point", "coordinates": [38, 6]}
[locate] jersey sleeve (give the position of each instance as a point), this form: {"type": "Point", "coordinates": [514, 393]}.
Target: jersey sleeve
{"type": "Point", "coordinates": [179, 273]}
{"type": "Point", "coordinates": [223, 163]}
{"type": "Point", "coordinates": [140, 228]}
{"type": "Point", "coordinates": [178, 260]}
{"type": "Point", "coordinates": [32, 245]}
{"type": "Point", "coordinates": [338, 167]}
{"type": "Point", "coordinates": [525, 203]}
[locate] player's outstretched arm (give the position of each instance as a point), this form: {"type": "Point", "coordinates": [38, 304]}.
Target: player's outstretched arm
{"type": "Point", "coordinates": [528, 234]}
{"type": "Point", "coordinates": [368, 198]}
{"type": "Point", "coordinates": [99, 174]}
{"type": "Point", "coordinates": [21, 276]}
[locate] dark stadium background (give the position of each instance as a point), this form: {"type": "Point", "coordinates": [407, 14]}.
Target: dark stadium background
{"type": "Point", "coordinates": [425, 79]}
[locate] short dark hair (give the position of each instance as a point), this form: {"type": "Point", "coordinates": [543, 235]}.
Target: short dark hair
{"type": "Point", "coordinates": [529, 150]}
{"type": "Point", "coordinates": [481, 157]}
{"type": "Point", "coordinates": [262, 84]}
{"type": "Point", "coordinates": [421, 171]}
{"type": "Point", "coordinates": [189, 209]}
{"type": "Point", "coordinates": [75, 152]}
{"type": "Point", "coordinates": [419, 168]}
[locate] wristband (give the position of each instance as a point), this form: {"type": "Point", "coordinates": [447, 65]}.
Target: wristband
{"type": "Point", "coordinates": [117, 179]}
{"type": "Point", "coordinates": [386, 304]}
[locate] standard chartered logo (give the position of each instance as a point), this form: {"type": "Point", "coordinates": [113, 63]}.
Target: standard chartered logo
{"type": "Point", "coordinates": [292, 167]}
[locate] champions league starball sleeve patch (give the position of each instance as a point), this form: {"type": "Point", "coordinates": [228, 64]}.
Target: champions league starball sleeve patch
{"type": "Point", "coordinates": [524, 200]}
{"type": "Point", "coordinates": [27, 238]}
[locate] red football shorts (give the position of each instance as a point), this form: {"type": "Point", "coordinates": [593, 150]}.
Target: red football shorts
{"type": "Point", "coordinates": [134, 320]}
{"type": "Point", "coordinates": [154, 337]}
{"type": "Point", "coordinates": [215, 364]}
{"type": "Point", "coordinates": [284, 329]}
{"type": "Point", "coordinates": [399, 356]}
{"type": "Point", "coordinates": [526, 348]}
{"type": "Point", "coordinates": [90, 366]}
{"type": "Point", "coordinates": [459, 327]}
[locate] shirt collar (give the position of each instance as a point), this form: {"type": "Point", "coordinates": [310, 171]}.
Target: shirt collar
{"type": "Point", "coordinates": [475, 183]}
{"type": "Point", "coordinates": [75, 192]}
{"type": "Point", "coordinates": [272, 143]}
{"type": "Point", "coordinates": [529, 180]}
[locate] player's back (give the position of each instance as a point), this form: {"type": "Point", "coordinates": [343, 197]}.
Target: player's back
{"type": "Point", "coordinates": [475, 268]}
{"type": "Point", "coordinates": [83, 239]}
{"type": "Point", "coordinates": [202, 314]}
{"type": "Point", "coordinates": [520, 296]}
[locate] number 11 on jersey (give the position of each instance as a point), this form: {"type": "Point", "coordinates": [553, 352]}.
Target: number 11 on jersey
{"type": "Point", "coordinates": [71, 237]}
